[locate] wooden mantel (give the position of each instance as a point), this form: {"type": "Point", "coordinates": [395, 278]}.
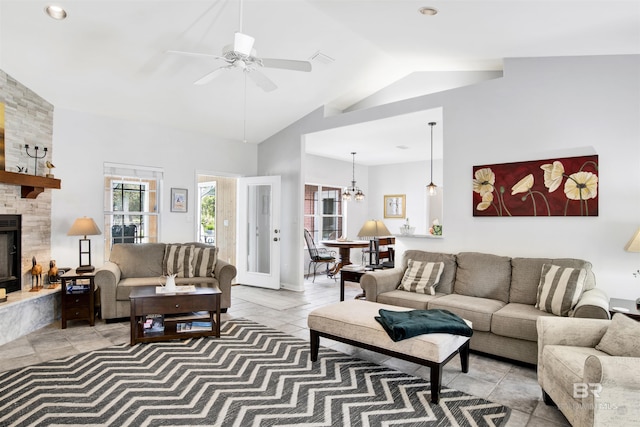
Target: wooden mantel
{"type": "Point", "coordinates": [31, 185]}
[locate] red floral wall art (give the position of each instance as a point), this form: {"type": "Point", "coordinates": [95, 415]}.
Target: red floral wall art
{"type": "Point", "coordinates": [555, 187]}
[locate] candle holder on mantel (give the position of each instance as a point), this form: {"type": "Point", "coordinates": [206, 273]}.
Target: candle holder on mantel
{"type": "Point", "coordinates": [35, 156]}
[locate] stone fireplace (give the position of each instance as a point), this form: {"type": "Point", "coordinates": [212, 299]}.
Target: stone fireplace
{"type": "Point", "coordinates": [28, 119]}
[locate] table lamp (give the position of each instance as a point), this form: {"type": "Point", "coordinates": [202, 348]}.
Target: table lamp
{"type": "Point", "coordinates": [84, 227]}
{"type": "Point", "coordinates": [634, 246]}
{"type": "Point", "coordinates": [373, 229]}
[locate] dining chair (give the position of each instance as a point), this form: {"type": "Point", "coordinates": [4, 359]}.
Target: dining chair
{"type": "Point", "coordinates": [318, 257]}
{"type": "Point", "coordinates": [382, 249]}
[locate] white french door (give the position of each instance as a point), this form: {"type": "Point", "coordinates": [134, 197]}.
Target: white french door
{"type": "Point", "coordinates": [258, 260]}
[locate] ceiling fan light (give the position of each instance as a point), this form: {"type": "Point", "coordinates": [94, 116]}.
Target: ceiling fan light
{"type": "Point", "coordinates": [243, 44]}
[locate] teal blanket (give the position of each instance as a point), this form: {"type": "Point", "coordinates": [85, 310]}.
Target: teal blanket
{"type": "Point", "coordinates": [401, 325]}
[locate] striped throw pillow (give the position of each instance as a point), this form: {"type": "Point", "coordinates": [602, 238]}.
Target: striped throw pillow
{"type": "Point", "coordinates": [177, 260]}
{"type": "Point", "coordinates": [559, 289]}
{"type": "Point", "coordinates": [421, 277]}
{"type": "Point", "coordinates": [204, 261]}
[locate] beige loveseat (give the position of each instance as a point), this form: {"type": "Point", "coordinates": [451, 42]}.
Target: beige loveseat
{"type": "Point", "coordinates": [497, 294]}
{"type": "Point", "coordinates": [132, 265]}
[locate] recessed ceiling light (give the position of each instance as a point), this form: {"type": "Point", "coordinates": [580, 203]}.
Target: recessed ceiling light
{"type": "Point", "coordinates": [56, 12]}
{"type": "Point", "coordinates": [430, 11]}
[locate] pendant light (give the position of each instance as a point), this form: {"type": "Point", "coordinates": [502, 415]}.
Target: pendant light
{"type": "Point", "coordinates": [432, 187]}
{"type": "Point", "coordinates": [353, 191]}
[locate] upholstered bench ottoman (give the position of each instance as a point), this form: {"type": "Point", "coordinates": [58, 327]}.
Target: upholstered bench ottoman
{"type": "Point", "coordinates": [353, 322]}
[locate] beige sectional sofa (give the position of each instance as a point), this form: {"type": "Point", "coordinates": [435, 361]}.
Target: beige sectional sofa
{"type": "Point", "coordinates": [497, 294]}
{"type": "Point", "coordinates": [132, 265]}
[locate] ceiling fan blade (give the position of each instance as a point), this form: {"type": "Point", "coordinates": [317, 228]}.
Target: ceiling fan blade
{"type": "Point", "coordinates": [262, 81]}
{"type": "Point", "coordinates": [243, 44]}
{"type": "Point", "coordinates": [210, 76]}
{"type": "Point", "coordinates": [286, 64]}
{"type": "Point", "coordinates": [196, 54]}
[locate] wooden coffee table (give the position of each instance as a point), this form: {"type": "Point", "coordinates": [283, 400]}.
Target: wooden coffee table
{"type": "Point", "coordinates": [176, 312]}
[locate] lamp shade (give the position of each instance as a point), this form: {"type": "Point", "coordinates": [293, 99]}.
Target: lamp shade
{"type": "Point", "coordinates": [374, 228]}
{"type": "Point", "coordinates": [84, 227]}
{"type": "Point", "coordinates": [634, 243]}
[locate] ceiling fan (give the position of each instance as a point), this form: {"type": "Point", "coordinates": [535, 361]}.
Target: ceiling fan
{"type": "Point", "coordinates": [242, 55]}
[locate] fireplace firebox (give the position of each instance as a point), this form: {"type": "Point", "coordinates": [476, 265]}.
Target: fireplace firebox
{"type": "Point", "coordinates": [10, 252]}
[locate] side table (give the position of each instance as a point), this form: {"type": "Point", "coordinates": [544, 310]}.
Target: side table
{"type": "Point", "coordinates": [78, 297]}
{"type": "Point", "coordinates": [350, 276]}
{"type": "Point", "coordinates": [616, 304]}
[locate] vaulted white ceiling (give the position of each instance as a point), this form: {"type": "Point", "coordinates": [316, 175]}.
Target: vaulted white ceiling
{"type": "Point", "coordinates": [109, 57]}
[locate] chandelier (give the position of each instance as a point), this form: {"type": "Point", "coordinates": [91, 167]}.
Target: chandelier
{"type": "Point", "coordinates": [353, 191]}
{"type": "Point", "coordinates": [432, 187]}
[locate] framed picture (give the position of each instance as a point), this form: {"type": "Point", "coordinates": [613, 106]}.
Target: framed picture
{"type": "Point", "coordinates": [394, 206]}
{"type": "Point", "coordinates": [566, 186]}
{"type": "Point", "coordinates": [179, 199]}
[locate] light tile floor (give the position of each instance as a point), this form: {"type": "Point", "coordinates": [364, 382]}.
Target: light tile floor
{"type": "Point", "coordinates": [506, 383]}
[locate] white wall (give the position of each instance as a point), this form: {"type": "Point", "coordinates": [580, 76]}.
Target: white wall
{"type": "Point", "coordinates": [83, 142]}
{"type": "Point", "coordinates": [542, 108]}
{"type": "Point", "coordinates": [410, 179]}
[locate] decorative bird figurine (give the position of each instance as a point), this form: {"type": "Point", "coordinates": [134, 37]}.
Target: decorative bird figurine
{"type": "Point", "coordinates": [36, 275]}
{"type": "Point", "coordinates": [49, 166]}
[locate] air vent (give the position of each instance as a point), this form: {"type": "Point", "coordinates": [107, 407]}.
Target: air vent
{"type": "Point", "coordinates": [321, 58]}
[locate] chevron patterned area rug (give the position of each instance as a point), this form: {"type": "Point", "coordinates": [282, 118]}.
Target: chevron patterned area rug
{"type": "Point", "coordinates": [252, 376]}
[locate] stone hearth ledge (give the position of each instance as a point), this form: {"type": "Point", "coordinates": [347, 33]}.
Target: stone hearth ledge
{"type": "Point", "coordinates": [25, 312]}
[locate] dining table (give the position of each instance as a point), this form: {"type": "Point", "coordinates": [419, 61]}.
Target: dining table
{"type": "Point", "coordinates": [344, 248]}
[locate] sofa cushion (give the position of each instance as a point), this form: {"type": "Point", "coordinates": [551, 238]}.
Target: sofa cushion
{"type": "Point", "coordinates": [177, 260]}
{"type": "Point", "coordinates": [204, 261]}
{"type": "Point", "coordinates": [407, 299]}
{"type": "Point", "coordinates": [138, 260]}
{"type": "Point", "coordinates": [517, 321]}
{"type": "Point", "coordinates": [559, 289]}
{"type": "Point", "coordinates": [421, 277]}
{"type": "Point", "coordinates": [483, 275]}
{"type": "Point", "coordinates": [448, 276]}
{"type": "Point", "coordinates": [525, 276]}
{"type": "Point", "coordinates": [622, 337]}
{"type": "Point", "coordinates": [477, 310]}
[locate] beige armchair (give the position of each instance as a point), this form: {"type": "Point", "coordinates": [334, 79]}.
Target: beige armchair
{"type": "Point", "coordinates": [589, 386]}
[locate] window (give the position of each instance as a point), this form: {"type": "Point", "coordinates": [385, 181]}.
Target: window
{"type": "Point", "coordinates": [323, 215]}
{"type": "Point", "coordinates": [131, 200]}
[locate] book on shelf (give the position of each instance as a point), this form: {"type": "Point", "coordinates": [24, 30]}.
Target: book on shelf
{"type": "Point", "coordinates": [78, 288]}
{"type": "Point", "coordinates": [153, 323]}
{"type": "Point", "coordinates": [193, 326]}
